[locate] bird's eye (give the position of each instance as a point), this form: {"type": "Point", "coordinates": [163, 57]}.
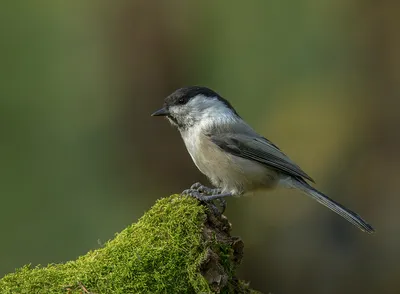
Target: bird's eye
{"type": "Point", "coordinates": [182, 101]}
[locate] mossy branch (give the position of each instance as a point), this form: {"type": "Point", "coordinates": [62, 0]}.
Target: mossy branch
{"type": "Point", "coordinates": [178, 246]}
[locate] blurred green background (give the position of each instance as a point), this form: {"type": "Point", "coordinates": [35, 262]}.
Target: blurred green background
{"type": "Point", "coordinates": [81, 158]}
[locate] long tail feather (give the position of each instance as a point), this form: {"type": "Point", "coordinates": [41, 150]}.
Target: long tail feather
{"type": "Point", "coordinates": [347, 214]}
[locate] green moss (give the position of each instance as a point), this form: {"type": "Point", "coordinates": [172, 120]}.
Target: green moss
{"type": "Point", "coordinates": [169, 250]}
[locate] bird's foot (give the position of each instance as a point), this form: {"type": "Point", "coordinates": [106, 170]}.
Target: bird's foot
{"type": "Point", "coordinates": [204, 189]}
{"type": "Point", "coordinates": [207, 195]}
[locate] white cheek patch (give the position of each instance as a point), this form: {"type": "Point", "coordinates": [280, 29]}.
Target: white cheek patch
{"type": "Point", "coordinates": [211, 110]}
{"type": "Point", "coordinates": [176, 110]}
{"type": "Point", "coordinates": [200, 102]}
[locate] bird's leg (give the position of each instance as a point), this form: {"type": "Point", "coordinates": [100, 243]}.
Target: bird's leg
{"type": "Point", "coordinates": [206, 194]}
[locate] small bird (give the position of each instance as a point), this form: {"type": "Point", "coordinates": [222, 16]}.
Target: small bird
{"type": "Point", "coordinates": [235, 158]}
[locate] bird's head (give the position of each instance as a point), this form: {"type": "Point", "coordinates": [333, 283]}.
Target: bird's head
{"type": "Point", "coordinates": [189, 106]}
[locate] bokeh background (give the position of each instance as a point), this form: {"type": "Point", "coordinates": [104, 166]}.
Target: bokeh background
{"type": "Point", "coordinates": [81, 158]}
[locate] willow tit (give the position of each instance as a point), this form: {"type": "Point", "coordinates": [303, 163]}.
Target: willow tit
{"type": "Point", "coordinates": [232, 155]}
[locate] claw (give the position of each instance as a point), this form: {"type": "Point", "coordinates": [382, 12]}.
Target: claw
{"type": "Point", "coordinates": [215, 209]}
{"type": "Point", "coordinates": [195, 193]}
{"type": "Point", "coordinates": [208, 195]}
{"type": "Point", "coordinates": [195, 186]}
{"type": "Point", "coordinates": [204, 189]}
{"type": "Point", "coordinates": [222, 203]}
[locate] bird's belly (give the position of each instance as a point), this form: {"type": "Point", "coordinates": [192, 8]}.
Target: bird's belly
{"type": "Point", "coordinates": [231, 173]}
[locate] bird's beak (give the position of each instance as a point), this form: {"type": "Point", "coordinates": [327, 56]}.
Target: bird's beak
{"type": "Point", "coordinates": [161, 112]}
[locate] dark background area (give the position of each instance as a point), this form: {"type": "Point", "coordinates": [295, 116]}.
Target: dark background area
{"type": "Point", "coordinates": [81, 158]}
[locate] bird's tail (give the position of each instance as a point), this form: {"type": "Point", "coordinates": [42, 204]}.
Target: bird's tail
{"type": "Point", "coordinates": [349, 215]}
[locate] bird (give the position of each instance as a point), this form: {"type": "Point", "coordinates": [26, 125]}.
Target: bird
{"type": "Point", "coordinates": [234, 157]}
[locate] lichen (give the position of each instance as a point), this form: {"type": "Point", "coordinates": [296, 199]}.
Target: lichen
{"type": "Point", "coordinates": [178, 246]}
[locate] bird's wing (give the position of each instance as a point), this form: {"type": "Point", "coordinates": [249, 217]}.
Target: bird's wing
{"type": "Point", "coordinates": [258, 149]}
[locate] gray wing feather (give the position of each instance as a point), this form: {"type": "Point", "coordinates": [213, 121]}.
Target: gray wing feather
{"type": "Point", "coordinates": [260, 150]}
